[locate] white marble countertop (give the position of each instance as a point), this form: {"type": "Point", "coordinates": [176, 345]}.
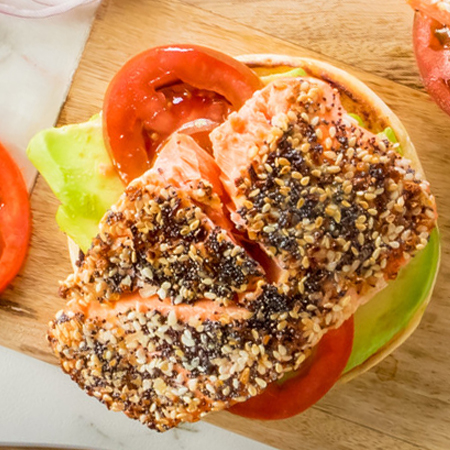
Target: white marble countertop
{"type": "Point", "coordinates": [38, 403]}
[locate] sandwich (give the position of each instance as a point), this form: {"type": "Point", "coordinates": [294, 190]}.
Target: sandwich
{"type": "Point", "coordinates": [245, 233]}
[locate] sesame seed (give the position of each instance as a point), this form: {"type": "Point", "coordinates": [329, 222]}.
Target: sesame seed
{"type": "Point", "coordinates": [194, 225]}
{"type": "Point", "coordinates": [315, 121]}
{"type": "Point", "coordinates": [306, 146]}
{"type": "Point", "coordinates": [252, 390]}
{"type": "Point", "coordinates": [304, 181]}
{"type": "Point", "coordinates": [261, 383]}
{"type": "Point", "coordinates": [268, 229]}
{"type": "Point", "coordinates": [333, 169]}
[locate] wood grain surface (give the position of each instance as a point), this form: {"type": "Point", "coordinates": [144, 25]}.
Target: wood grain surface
{"type": "Point", "coordinates": [403, 403]}
{"type": "Point", "coordinates": [372, 35]}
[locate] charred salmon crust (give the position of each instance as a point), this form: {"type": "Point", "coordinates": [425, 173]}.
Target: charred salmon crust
{"type": "Point", "coordinates": [169, 317]}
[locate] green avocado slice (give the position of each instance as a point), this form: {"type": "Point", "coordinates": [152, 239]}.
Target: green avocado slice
{"type": "Point", "coordinates": [297, 72]}
{"type": "Point", "coordinates": [391, 310]}
{"type": "Point", "coordinates": [357, 118]}
{"type": "Point", "coordinates": [75, 163]}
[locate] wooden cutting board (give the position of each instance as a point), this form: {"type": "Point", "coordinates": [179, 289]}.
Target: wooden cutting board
{"type": "Point", "coordinates": [404, 403]}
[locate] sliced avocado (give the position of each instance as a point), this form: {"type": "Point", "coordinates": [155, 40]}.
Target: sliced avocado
{"type": "Point", "coordinates": [75, 163]}
{"type": "Point", "coordinates": [298, 72]}
{"type": "Point", "coordinates": [357, 118]}
{"type": "Point", "coordinates": [389, 134]}
{"type": "Point", "coordinates": [391, 310]}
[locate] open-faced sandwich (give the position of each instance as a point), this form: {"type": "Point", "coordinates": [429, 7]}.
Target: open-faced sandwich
{"type": "Point", "coordinates": [248, 232]}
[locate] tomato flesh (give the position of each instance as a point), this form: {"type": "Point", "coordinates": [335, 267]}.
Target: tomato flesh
{"type": "Point", "coordinates": [15, 219]}
{"type": "Point", "coordinates": [185, 105]}
{"type": "Point", "coordinates": [302, 389]}
{"type": "Point", "coordinates": [431, 9]}
{"type": "Point", "coordinates": [163, 88]}
{"type": "Point", "coordinates": [433, 58]}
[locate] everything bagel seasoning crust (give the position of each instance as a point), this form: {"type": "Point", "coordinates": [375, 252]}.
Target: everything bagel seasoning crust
{"type": "Point", "coordinates": [325, 198]}
{"type": "Point", "coordinates": [170, 316]}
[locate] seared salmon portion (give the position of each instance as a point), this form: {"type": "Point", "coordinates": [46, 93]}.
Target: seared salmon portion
{"type": "Point", "coordinates": [171, 315]}
{"type": "Point", "coordinates": [164, 364]}
{"type": "Point", "coordinates": [168, 235]}
{"type": "Point", "coordinates": [335, 206]}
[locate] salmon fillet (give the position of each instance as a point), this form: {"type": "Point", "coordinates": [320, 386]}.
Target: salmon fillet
{"type": "Point", "coordinates": [164, 236]}
{"type": "Point", "coordinates": [170, 315]}
{"type": "Point", "coordinates": [333, 205]}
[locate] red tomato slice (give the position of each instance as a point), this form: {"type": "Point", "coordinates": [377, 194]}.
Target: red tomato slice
{"type": "Point", "coordinates": [15, 219]}
{"type": "Point", "coordinates": [433, 59]}
{"type": "Point", "coordinates": [431, 8]}
{"type": "Point", "coordinates": [298, 391]}
{"type": "Point", "coordinates": [163, 88]}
